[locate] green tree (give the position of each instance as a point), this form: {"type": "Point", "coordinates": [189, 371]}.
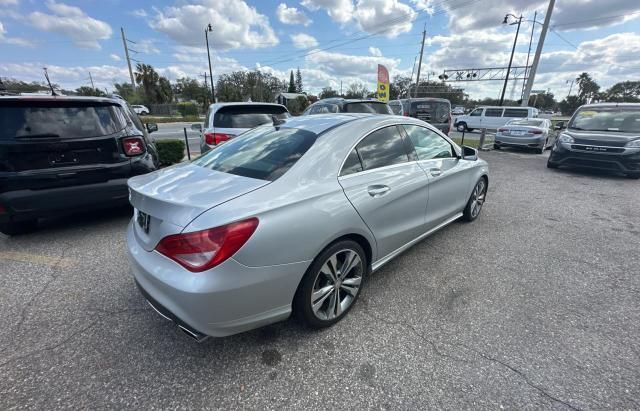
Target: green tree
{"type": "Point", "coordinates": [298, 81]}
{"type": "Point", "coordinates": [544, 101]}
{"type": "Point", "coordinates": [292, 84]}
{"type": "Point", "coordinates": [356, 90]}
{"type": "Point", "coordinates": [327, 92]}
{"type": "Point", "coordinates": [587, 87]}
{"type": "Point", "coordinates": [399, 87]}
{"type": "Point", "coordinates": [570, 104]}
{"type": "Point", "coordinates": [441, 90]}
{"type": "Point", "coordinates": [243, 85]}
{"type": "Point", "coordinates": [90, 91]}
{"type": "Point", "coordinates": [155, 88]}
{"type": "Point", "coordinates": [625, 91]}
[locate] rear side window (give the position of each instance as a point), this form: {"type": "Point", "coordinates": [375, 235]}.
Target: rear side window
{"type": "Point", "coordinates": [59, 119]}
{"type": "Point", "coordinates": [367, 107]}
{"type": "Point", "coordinates": [264, 153]}
{"type": "Point", "coordinates": [493, 112]}
{"type": "Point", "coordinates": [516, 112]}
{"type": "Point", "coordinates": [248, 116]}
{"type": "Point", "coordinates": [382, 148]}
{"type": "Point", "coordinates": [352, 164]}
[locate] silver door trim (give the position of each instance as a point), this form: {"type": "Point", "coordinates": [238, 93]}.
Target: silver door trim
{"type": "Point", "coordinates": [375, 266]}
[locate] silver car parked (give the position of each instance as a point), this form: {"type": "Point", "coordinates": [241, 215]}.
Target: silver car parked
{"type": "Point", "coordinates": [293, 216]}
{"type": "Point", "coordinates": [532, 133]}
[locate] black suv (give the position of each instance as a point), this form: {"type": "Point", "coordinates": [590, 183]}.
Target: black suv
{"type": "Point", "coordinates": [435, 111]}
{"type": "Point", "coordinates": [63, 154]}
{"type": "Point", "coordinates": [602, 136]}
{"type": "Point", "coordinates": [343, 105]}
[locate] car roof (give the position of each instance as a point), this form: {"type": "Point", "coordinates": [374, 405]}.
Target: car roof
{"type": "Point", "coordinates": [611, 104]}
{"type": "Point", "coordinates": [319, 123]}
{"type": "Point", "coordinates": [341, 100]}
{"type": "Point", "coordinates": [46, 97]}
{"type": "Point", "coordinates": [410, 99]}
{"type": "Point", "coordinates": [217, 106]}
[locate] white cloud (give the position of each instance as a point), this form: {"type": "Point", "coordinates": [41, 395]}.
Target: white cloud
{"type": "Point", "coordinates": [139, 13]}
{"type": "Point", "coordinates": [72, 22]}
{"type": "Point", "coordinates": [374, 51]}
{"type": "Point", "coordinates": [67, 77]}
{"type": "Point", "coordinates": [582, 14]}
{"type": "Point", "coordinates": [146, 46]}
{"type": "Point", "coordinates": [349, 65]}
{"type": "Point", "coordinates": [235, 24]}
{"type": "Point", "coordinates": [390, 17]}
{"type": "Point", "coordinates": [339, 10]}
{"type": "Point", "coordinates": [303, 41]}
{"type": "Point", "coordinates": [291, 15]}
{"type": "Point", "coordinates": [424, 5]}
{"type": "Point", "coordinates": [115, 57]}
{"type": "Point", "coordinates": [8, 2]}
{"type": "Point", "coordinates": [16, 41]}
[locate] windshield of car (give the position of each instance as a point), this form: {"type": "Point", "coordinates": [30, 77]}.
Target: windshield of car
{"type": "Point", "coordinates": [534, 123]}
{"type": "Point", "coordinates": [432, 111]}
{"type": "Point", "coordinates": [24, 119]}
{"type": "Point", "coordinates": [264, 153]}
{"type": "Point", "coordinates": [615, 119]}
{"type": "Point", "coordinates": [247, 116]}
{"type": "Point", "coordinates": [367, 107]}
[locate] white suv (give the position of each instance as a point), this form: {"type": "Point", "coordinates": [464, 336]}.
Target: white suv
{"type": "Point", "coordinates": [492, 117]}
{"type": "Point", "coordinates": [140, 110]}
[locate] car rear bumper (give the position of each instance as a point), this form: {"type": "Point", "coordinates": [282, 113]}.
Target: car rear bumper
{"type": "Point", "coordinates": [29, 204]}
{"type": "Point", "coordinates": [228, 299]}
{"type": "Point", "coordinates": [626, 162]}
{"type": "Point", "coordinates": [531, 142]}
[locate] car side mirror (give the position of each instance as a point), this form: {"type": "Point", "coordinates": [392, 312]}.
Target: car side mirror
{"type": "Point", "coordinates": [559, 125]}
{"type": "Point", "coordinates": [469, 153]}
{"type": "Point", "coordinates": [196, 127]}
{"type": "Point", "coordinates": [151, 127]}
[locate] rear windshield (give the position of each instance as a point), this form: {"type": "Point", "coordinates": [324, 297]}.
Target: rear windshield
{"type": "Point", "coordinates": [247, 116]}
{"type": "Point", "coordinates": [367, 107]}
{"type": "Point", "coordinates": [534, 123]}
{"type": "Point", "coordinates": [438, 111]}
{"type": "Point", "coordinates": [614, 119]}
{"type": "Point", "coordinates": [64, 120]}
{"type": "Point", "coordinates": [265, 153]}
{"type": "Point", "coordinates": [396, 107]}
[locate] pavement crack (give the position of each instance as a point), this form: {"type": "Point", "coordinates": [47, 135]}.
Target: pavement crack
{"type": "Point", "coordinates": [521, 374]}
{"type": "Point", "coordinates": [487, 357]}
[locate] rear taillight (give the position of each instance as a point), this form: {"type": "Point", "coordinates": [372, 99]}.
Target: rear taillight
{"type": "Point", "coordinates": [133, 146]}
{"type": "Point", "coordinates": [203, 250]}
{"type": "Point", "coordinates": [216, 138]}
{"type": "Point", "coordinates": [502, 130]}
{"type": "Point", "coordinates": [537, 132]}
{"type": "Point", "coordinates": [406, 114]}
{"type": "Point", "coordinates": [3, 210]}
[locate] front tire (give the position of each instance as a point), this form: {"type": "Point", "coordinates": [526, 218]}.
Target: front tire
{"type": "Point", "coordinates": [462, 127]}
{"type": "Point", "coordinates": [332, 284]}
{"type": "Point", "coordinates": [496, 147]}
{"type": "Point", "coordinates": [551, 165]}
{"type": "Point", "coordinates": [476, 200]}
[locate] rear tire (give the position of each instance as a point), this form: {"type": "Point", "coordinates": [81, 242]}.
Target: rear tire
{"type": "Point", "coordinates": [20, 227]}
{"type": "Point", "coordinates": [540, 150]}
{"type": "Point", "coordinates": [633, 176]}
{"type": "Point", "coordinates": [461, 127]}
{"type": "Point", "coordinates": [326, 293]}
{"type": "Point", "coordinates": [551, 165]}
{"type": "Point", "coordinates": [476, 200]}
{"type": "Point", "coordinates": [496, 147]}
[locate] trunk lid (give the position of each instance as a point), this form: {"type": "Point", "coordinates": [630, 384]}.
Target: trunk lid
{"type": "Point", "coordinates": [521, 131]}
{"type": "Point", "coordinates": [175, 196]}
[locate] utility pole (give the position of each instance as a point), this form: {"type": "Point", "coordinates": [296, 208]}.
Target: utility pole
{"type": "Point", "coordinates": [205, 75]}
{"type": "Point", "coordinates": [206, 36]}
{"type": "Point", "coordinates": [533, 28]}
{"type": "Point", "coordinates": [126, 53]}
{"type": "Point", "coordinates": [91, 78]}
{"type": "Point", "coordinates": [513, 50]}
{"type": "Point", "coordinates": [424, 34]}
{"type": "Point", "coordinates": [413, 69]}
{"type": "Point", "coordinates": [536, 58]}
{"type": "Point", "coordinates": [571, 86]}
{"type": "Point", "coordinates": [340, 88]}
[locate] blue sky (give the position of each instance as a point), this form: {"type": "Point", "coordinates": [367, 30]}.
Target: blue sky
{"type": "Point", "coordinates": [330, 40]}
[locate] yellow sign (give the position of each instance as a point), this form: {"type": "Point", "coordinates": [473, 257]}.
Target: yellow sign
{"type": "Point", "coordinates": [383, 83]}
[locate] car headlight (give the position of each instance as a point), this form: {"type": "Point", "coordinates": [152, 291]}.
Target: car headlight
{"type": "Point", "coordinates": [633, 144]}
{"type": "Point", "coordinates": [565, 138]}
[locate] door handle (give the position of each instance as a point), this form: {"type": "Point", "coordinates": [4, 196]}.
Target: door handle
{"type": "Point", "coordinates": [435, 172]}
{"type": "Point", "coordinates": [378, 190]}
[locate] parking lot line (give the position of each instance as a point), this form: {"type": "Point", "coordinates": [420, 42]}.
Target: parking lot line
{"type": "Point", "coordinates": [37, 259]}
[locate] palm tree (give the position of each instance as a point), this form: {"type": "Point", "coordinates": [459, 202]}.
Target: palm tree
{"type": "Point", "coordinates": [146, 77]}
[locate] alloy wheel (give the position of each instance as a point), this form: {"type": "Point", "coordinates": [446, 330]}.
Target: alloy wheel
{"type": "Point", "coordinates": [336, 284]}
{"type": "Point", "coordinates": [478, 197]}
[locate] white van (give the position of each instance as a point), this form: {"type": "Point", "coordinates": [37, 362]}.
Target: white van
{"type": "Point", "coordinates": [492, 117]}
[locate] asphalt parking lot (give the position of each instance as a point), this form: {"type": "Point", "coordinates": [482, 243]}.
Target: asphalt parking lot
{"type": "Point", "coordinates": [534, 305]}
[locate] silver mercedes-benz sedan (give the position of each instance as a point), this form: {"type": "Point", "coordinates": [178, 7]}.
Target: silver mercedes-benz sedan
{"type": "Point", "coordinates": [293, 216]}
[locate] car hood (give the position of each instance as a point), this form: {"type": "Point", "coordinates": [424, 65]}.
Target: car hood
{"type": "Point", "coordinates": [601, 137]}
{"type": "Point", "coordinates": [181, 193]}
